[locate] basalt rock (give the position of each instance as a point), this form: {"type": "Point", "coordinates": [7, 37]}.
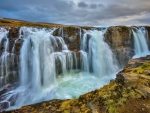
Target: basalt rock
{"type": "Point", "coordinates": [71, 36]}
{"type": "Point", "coordinates": [120, 40]}
{"type": "Point", "coordinates": [10, 75]}
{"type": "Point", "coordinates": [148, 35]}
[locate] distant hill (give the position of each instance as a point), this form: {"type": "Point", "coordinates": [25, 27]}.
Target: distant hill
{"type": "Point", "coordinates": [18, 23]}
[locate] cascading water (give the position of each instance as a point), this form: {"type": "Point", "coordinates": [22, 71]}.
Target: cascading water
{"type": "Point", "coordinates": [100, 58]}
{"type": "Point", "coordinates": [48, 70]}
{"type": "Point", "coordinates": [40, 54]}
{"type": "Point", "coordinates": [38, 61]}
{"type": "Point", "coordinates": [140, 44]}
{"type": "Point", "coordinates": [4, 59]}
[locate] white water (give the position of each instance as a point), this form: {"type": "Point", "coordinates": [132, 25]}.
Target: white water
{"type": "Point", "coordinates": [100, 57]}
{"type": "Point", "coordinates": [140, 42]}
{"type": "Point", "coordinates": [4, 60]}
{"type": "Point", "coordinates": [39, 53]}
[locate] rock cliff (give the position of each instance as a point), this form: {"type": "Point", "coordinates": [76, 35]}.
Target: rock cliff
{"type": "Point", "coordinates": [120, 40]}
{"type": "Point", "coordinates": [148, 34]}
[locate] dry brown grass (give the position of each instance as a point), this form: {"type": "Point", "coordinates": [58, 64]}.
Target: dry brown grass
{"type": "Point", "coordinates": [19, 23]}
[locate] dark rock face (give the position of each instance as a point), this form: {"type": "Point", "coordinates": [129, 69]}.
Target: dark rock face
{"type": "Point", "coordinates": [13, 35]}
{"type": "Point", "coordinates": [120, 40]}
{"type": "Point", "coordinates": [71, 36]}
{"type": "Point", "coordinates": [12, 57]}
{"type": "Point", "coordinates": [148, 33]}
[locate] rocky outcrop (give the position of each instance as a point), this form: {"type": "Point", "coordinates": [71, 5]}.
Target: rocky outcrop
{"type": "Point", "coordinates": [10, 59]}
{"type": "Point", "coordinates": [128, 93]}
{"type": "Point", "coordinates": [71, 36]}
{"type": "Point", "coordinates": [120, 40]}
{"type": "Point", "coordinates": [137, 75]}
{"type": "Point", "coordinates": [148, 35]}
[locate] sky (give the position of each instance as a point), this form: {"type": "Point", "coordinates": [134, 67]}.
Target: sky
{"type": "Point", "coordinates": [79, 12]}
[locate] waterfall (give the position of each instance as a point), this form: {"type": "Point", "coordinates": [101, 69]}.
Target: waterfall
{"type": "Point", "coordinates": [49, 70]}
{"type": "Point", "coordinates": [4, 59]}
{"type": "Point", "coordinates": [100, 58]}
{"type": "Point", "coordinates": [140, 44]}
{"type": "Point", "coordinates": [84, 61]}
{"type": "Point", "coordinates": [40, 54]}
{"type": "Point", "coordinates": [36, 59]}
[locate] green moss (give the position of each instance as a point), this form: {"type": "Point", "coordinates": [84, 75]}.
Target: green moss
{"type": "Point", "coordinates": [112, 109]}
{"type": "Point", "coordinates": [134, 94]}
{"type": "Point", "coordinates": [110, 101]}
{"type": "Point", "coordinates": [138, 70]}
{"type": "Point", "coordinates": [121, 101]}
{"type": "Point", "coordinates": [146, 65]}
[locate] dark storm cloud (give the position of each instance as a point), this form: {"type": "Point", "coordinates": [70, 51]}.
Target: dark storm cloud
{"type": "Point", "coordinates": [77, 12]}
{"type": "Point", "coordinates": [82, 5]}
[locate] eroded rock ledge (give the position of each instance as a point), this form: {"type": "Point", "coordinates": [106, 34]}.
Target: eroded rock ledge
{"type": "Point", "coordinates": [128, 93]}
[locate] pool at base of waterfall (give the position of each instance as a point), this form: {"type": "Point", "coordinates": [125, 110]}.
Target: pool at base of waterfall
{"type": "Point", "coordinates": [69, 85]}
{"type": "Point", "coordinates": [76, 83]}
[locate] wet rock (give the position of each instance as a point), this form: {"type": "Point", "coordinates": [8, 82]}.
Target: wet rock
{"type": "Point", "coordinates": [13, 35]}
{"type": "Point", "coordinates": [4, 105]}
{"type": "Point", "coordinates": [148, 33]}
{"type": "Point", "coordinates": [3, 90]}
{"type": "Point", "coordinates": [7, 86]}
{"type": "Point", "coordinates": [71, 35]}
{"type": "Point", "coordinates": [119, 38]}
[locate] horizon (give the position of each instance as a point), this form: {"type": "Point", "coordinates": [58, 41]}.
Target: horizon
{"type": "Point", "coordinates": [79, 12]}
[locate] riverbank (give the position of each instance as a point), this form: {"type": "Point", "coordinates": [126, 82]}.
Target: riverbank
{"type": "Point", "coordinates": [128, 93]}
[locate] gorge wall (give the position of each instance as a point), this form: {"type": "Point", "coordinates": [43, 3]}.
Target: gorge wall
{"type": "Point", "coordinates": [120, 40]}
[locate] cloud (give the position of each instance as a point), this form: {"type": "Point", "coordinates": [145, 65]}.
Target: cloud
{"type": "Point", "coordinates": [82, 5]}
{"type": "Point", "coordinates": [78, 12]}
{"type": "Point", "coordinates": [101, 5]}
